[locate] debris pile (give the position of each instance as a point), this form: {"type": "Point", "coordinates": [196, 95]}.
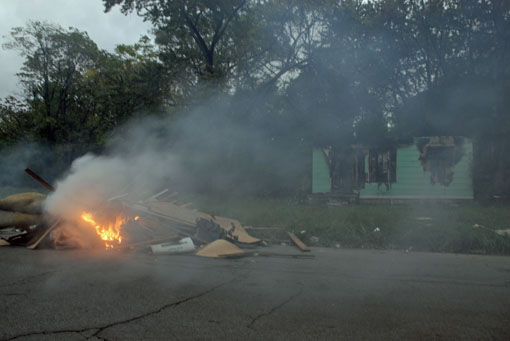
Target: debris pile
{"type": "Point", "coordinates": [157, 224]}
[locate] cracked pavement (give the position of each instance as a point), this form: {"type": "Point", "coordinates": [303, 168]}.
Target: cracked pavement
{"type": "Point", "coordinates": [352, 294]}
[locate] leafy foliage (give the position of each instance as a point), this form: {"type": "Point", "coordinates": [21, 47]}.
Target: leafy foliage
{"type": "Point", "coordinates": [296, 74]}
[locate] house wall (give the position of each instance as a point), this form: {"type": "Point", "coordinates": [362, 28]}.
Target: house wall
{"type": "Point", "coordinates": [414, 183]}
{"type": "Point", "coordinates": [321, 179]}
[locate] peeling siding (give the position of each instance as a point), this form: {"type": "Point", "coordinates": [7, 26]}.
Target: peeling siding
{"type": "Point", "coordinates": [414, 183]}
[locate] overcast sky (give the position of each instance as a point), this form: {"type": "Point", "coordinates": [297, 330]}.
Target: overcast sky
{"type": "Point", "coordinates": [106, 29]}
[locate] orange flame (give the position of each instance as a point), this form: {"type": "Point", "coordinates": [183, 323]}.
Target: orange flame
{"type": "Point", "coordinates": [111, 234]}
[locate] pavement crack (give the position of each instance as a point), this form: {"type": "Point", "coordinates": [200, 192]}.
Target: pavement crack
{"type": "Point", "coordinates": [129, 320]}
{"type": "Point", "coordinates": [48, 332]}
{"type": "Point", "coordinates": [274, 309]}
{"type": "Point", "coordinates": [157, 311]}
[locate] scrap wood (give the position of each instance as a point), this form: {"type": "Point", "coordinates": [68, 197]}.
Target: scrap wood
{"type": "Point", "coordinates": [164, 225]}
{"type": "Point", "coordinates": [169, 212]}
{"type": "Point", "coordinates": [155, 196]}
{"type": "Point", "coordinates": [145, 227]}
{"type": "Point", "coordinates": [224, 249]}
{"type": "Point", "coordinates": [118, 197]}
{"type": "Point", "coordinates": [156, 221]}
{"type": "Point", "coordinates": [147, 223]}
{"type": "Point", "coordinates": [189, 218]}
{"type": "Point", "coordinates": [29, 202]}
{"type": "Point", "coordinates": [39, 179]}
{"type": "Point", "coordinates": [168, 197]}
{"type": "Point", "coordinates": [7, 233]}
{"type": "Point", "coordinates": [4, 242]}
{"type": "Point", "coordinates": [36, 243]}
{"type": "Point", "coordinates": [178, 213]}
{"type": "Point", "coordinates": [19, 220]}
{"type": "Point", "coordinates": [300, 245]}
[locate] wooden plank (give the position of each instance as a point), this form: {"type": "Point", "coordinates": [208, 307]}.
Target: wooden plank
{"type": "Point", "coordinates": [177, 213]}
{"type": "Point", "coordinates": [118, 197]}
{"type": "Point", "coordinates": [300, 245]}
{"type": "Point", "coordinates": [39, 179]}
{"type": "Point", "coordinates": [167, 213]}
{"type": "Point", "coordinates": [155, 196]}
{"type": "Point", "coordinates": [40, 239]}
{"type": "Point", "coordinates": [188, 217]}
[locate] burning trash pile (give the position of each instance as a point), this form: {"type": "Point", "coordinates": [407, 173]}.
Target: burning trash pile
{"type": "Point", "coordinates": [125, 223]}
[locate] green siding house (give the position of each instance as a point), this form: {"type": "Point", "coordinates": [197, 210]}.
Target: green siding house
{"type": "Point", "coordinates": [430, 168]}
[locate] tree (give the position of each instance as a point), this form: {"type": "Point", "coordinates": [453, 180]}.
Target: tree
{"type": "Point", "coordinates": [231, 45]}
{"type": "Point", "coordinates": [76, 94]}
{"type": "Point", "coordinates": [129, 81]}
{"type": "Point", "coordinates": [200, 37]}
{"type": "Point", "coordinates": [15, 121]}
{"type": "Point", "coordinates": [55, 59]}
{"type": "Point", "coordinates": [451, 64]}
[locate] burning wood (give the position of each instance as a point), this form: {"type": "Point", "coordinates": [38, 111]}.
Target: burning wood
{"type": "Point", "coordinates": [110, 232]}
{"type": "Point", "coordinates": [119, 223]}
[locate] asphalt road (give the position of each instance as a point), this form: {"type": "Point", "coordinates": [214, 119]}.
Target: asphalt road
{"type": "Point", "coordinates": [341, 294]}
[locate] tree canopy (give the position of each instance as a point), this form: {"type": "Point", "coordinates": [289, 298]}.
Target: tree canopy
{"type": "Point", "coordinates": [304, 74]}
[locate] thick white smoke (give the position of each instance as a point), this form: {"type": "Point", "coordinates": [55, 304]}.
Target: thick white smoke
{"type": "Point", "coordinates": [137, 164]}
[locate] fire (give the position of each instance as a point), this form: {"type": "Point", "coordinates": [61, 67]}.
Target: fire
{"type": "Point", "coordinates": [110, 234]}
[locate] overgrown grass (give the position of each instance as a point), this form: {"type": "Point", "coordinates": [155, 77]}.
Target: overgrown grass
{"type": "Point", "coordinates": [431, 226]}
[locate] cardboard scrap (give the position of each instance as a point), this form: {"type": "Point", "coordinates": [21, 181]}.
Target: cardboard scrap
{"type": "Point", "coordinates": [236, 231]}
{"type": "Point", "coordinates": [219, 249]}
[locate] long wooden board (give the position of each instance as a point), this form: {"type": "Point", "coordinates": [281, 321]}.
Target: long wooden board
{"type": "Point", "coordinates": [40, 239]}
{"type": "Point", "coordinates": [300, 245]}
